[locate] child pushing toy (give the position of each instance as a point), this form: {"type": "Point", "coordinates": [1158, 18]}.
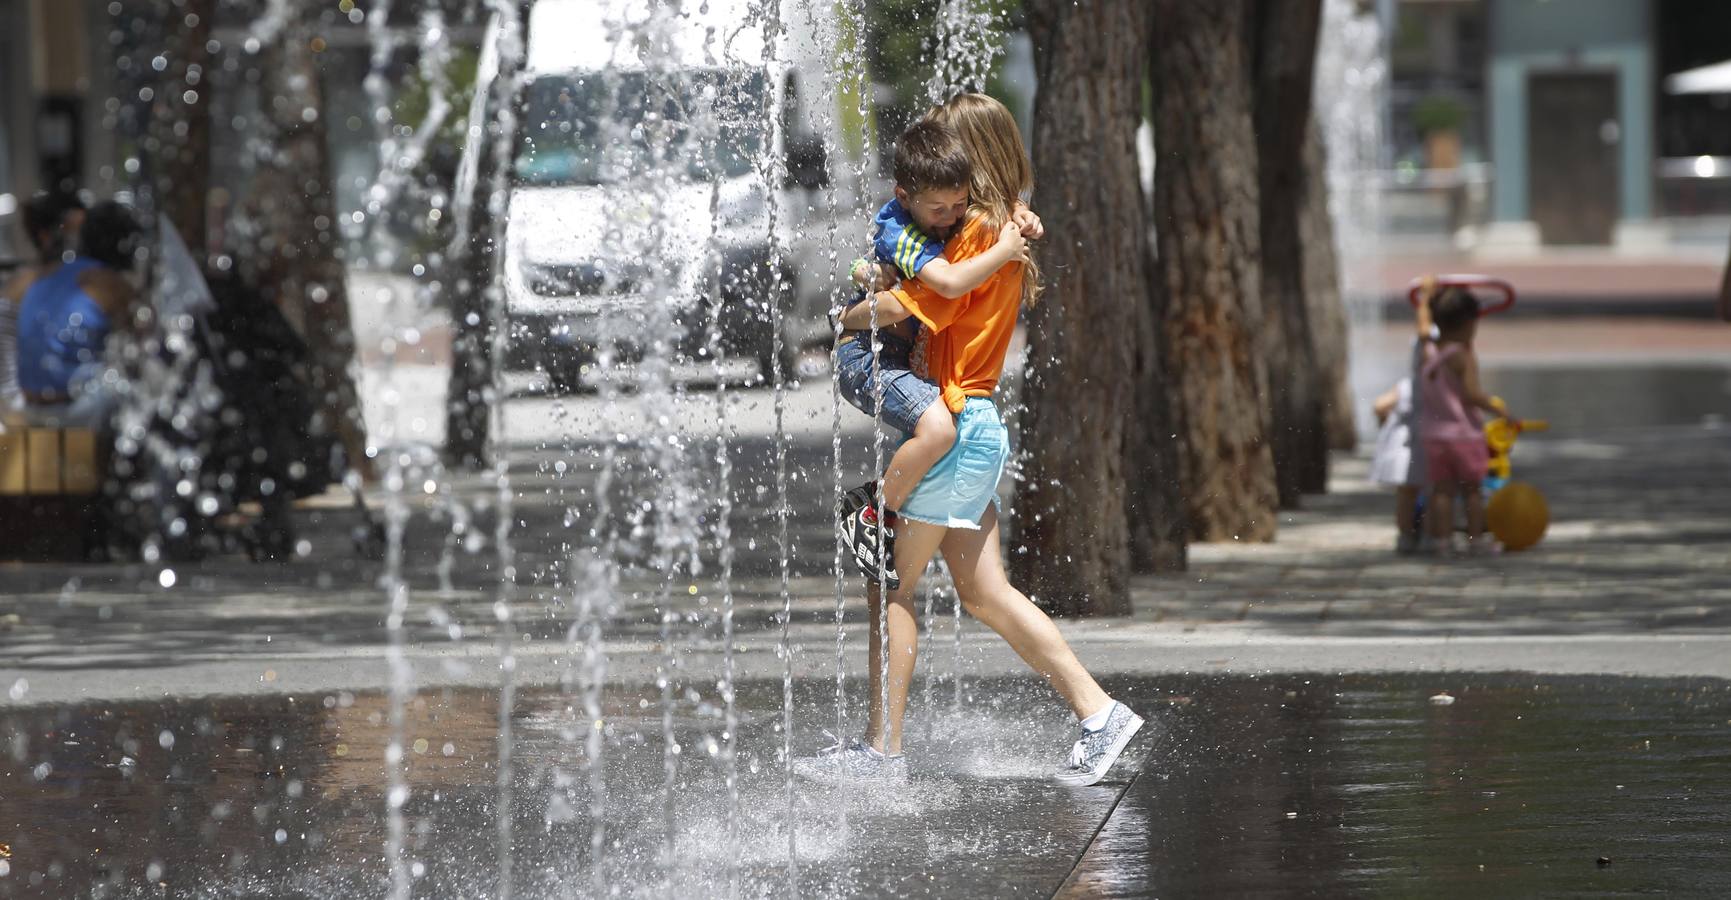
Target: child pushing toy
{"type": "Point", "coordinates": [1450, 402]}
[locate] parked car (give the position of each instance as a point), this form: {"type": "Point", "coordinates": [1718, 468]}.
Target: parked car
{"type": "Point", "coordinates": [609, 93]}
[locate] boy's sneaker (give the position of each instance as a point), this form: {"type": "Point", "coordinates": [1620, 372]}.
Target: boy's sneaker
{"type": "Point", "coordinates": [1096, 751]}
{"type": "Point", "coordinates": [850, 760]}
{"type": "Point", "coordinates": [860, 524]}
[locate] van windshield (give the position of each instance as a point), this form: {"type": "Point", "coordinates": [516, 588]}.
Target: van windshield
{"type": "Point", "coordinates": [606, 127]}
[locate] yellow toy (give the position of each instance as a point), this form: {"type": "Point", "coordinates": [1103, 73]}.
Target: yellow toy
{"type": "Point", "coordinates": [1516, 512]}
{"type": "Point", "coordinates": [1500, 435]}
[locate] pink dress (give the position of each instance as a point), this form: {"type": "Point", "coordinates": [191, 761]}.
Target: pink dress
{"type": "Point", "coordinates": [1454, 436]}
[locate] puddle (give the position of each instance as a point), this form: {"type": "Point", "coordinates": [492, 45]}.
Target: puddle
{"type": "Point", "coordinates": [1289, 784]}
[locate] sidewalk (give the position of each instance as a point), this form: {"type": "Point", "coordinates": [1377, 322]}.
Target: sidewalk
{"type": "Point", "coordinates": [1680, 281]}
{"type": "Point", "coordinates": [1631, 578]}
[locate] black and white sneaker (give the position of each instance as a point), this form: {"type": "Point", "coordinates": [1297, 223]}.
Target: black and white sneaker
{"type": "Point", "coordinates": [1096, 751]}
{"type": "Point", "coordinates": [857, 514]}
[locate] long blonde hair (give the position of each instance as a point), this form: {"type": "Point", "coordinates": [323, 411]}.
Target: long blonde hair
{"type": "Point", "coordinates": [1002, 172]}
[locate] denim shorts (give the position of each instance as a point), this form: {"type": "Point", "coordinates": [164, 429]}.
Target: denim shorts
{"type": "Point", "coordinates": [958, 487]}
{"type": "Point", "coordinates": [905, 395]}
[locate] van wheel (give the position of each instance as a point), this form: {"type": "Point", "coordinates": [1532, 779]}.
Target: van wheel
{"type": "Point", "coordinates": [565, 372]}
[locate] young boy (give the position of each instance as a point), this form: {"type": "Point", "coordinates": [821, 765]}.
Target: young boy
{"type": "Point", "coordinates": [1450, 400]}
{"type": "Point", "coordinates": [932, 174]}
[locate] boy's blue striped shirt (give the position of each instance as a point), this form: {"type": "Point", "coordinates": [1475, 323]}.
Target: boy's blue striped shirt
{"type": "Point", "coordinates": [901, 243]}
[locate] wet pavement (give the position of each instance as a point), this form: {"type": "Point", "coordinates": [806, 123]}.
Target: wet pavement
{"type": "Point", "coordinates": [264, 682]}
{"type": "Point", "coordinates": [1289, 785]}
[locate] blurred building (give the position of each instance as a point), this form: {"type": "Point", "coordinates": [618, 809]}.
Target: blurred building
{"type": "Point", "coordinates": [1517, 124]}
{"type": "Point", "coordinates": [49, 131]}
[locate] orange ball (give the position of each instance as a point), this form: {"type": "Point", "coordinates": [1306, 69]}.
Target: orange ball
{"type": "Point", "coordinates": [1518, 515]}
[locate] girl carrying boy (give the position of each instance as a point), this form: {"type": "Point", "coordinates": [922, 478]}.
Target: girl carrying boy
{"type": "Point", "coordinates": [953, 509]}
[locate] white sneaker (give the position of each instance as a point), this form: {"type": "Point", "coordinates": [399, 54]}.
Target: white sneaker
{"type": "Point", "coordinates": [1096, 751]}
{"type": "Point", "coordinates": [1442, 549]}
{"type": "Point", "coordinates": [850, 760]}
{"type": "Point", "coordinates": [1484, 545]}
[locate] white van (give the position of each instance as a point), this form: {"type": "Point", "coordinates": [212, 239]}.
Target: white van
{"type": "Point", "coordinates": [595, 106]}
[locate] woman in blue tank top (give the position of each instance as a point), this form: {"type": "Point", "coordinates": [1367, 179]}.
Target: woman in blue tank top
{"type": "Point", "coordinates": [66, 316]}
{"type": "Point", "coordinates": [61, 330]}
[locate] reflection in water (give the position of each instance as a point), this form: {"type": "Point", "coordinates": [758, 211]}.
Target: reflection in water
{"type": "Point", "coordinates": [1323, 786]}
{"type": "Point", "coordinates": [1360, 786]}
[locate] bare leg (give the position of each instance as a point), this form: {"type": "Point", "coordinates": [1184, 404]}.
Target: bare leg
{"type": "Point", "coordinates": [934, 435]}
{"type": "Point", "coordinates": [915, 546]}
{"type": "Point", "coordinates": [987, 595]}
{"type": "Point", "coordinates": [1441, 514]}
{"type": "Point", "coordinates": [1405, 507]}
{"type": "Point", "coordinates": [1475, 500]}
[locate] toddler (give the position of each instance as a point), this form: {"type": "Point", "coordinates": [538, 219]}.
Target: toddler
{"type": "Point", "coordinates": [1452, 430]}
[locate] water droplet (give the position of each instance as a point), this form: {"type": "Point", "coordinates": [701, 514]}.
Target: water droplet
{"type": "Point", "coordinates": [165, 578]}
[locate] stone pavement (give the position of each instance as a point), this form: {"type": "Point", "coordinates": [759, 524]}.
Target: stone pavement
{"type": "Point", "coordinates": [1676, 280]}
{"type": "Point", "coordinates": [1632, 577]}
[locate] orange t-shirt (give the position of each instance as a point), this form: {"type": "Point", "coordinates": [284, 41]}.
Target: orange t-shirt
{"type": "Point", "coordinates": [970, 335]}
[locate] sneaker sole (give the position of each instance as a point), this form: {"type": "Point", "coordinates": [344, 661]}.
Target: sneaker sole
{"type": "Point", "coordinates": [1112, 752]}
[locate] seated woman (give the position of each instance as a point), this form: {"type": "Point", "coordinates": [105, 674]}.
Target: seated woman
{"type": "Point", "coordinates": [51, 221]}
{"type": "Point", "coordinates": [65, 319]}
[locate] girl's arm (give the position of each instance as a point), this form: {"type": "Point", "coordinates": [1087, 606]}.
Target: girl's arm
{"type": "Point", "coordinates": [1467, 367]}
{"type": "Point", "coordinates": [952, 280]}
{"type": "Point", "coordinates": [875, 276]}
{"type": "Point", "coordinates": [1421, 315]}
{"type": "Point", "coordinates": [858, 317]}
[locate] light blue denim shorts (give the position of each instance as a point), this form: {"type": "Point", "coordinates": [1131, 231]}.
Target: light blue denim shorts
{"type": "Point", "coordinates": [958, 487]}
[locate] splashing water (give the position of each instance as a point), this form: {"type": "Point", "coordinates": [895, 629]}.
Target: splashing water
{"type": "Point", "coordinates": [1351, 103]}
{"type": "Point", "coordinates": [968, 39]}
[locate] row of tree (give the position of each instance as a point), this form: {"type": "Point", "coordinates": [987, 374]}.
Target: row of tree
{"type": "Point", "coordinates": [1186, 371]}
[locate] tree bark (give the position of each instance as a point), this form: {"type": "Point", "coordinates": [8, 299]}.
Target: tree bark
{"type": "Point", "coordinates": [180, 130]}
{"type": "Point", "coordinates": [1209, 295]}
{"type": "Point", "coordinates": [1080, 395]}
{"type": "Point", "coordinates": [1322, 295]}
{"type": "Point", "coordinates": [297, 261]}
{"type": "Point", "coordinates": [1159, 526]}
{"type": "Point", "coordinates": [1282, 45]}
{"type": "Point", "coordinates": [1725, 293]}
{"type": "Point", "coordinates": [476, 264]}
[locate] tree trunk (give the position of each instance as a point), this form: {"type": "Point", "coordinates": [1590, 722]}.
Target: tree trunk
{"type": "Point", "coordinates": [180, 130]}
{"type": "Point", "coordinates": [1159, 527]}
{"type": "Point", "coordinates": [1282, 45]}
{"type": "Point", "coordinates": [1210, 307]}
{"type": "Point", "coordinates": [1322, 295]}
{"type": "Point", "coordinates": [1080, 396]}
{"type": "Point", "coordinates": [477, 263]}
{"type": "Point", "coordinates": [297, 258]}
{"type": "Point", "coordinates": [1725, 293]}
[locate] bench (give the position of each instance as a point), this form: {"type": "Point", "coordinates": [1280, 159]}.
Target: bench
{"type": "Point", "coordinates": [50, 491]}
